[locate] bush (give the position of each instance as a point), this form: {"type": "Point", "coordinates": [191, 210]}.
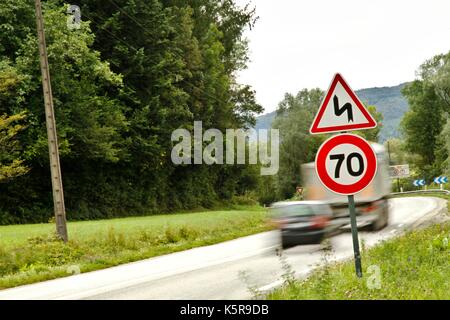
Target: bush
{"type": "Point", "coordinates": [245, 200]}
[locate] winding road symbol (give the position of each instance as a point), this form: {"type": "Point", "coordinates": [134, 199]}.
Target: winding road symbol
{"type": "Point", "coordinates": [345, 108]}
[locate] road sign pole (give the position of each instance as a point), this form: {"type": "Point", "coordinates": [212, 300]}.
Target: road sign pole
{"type": "Point", "coordinates": [351, 208]}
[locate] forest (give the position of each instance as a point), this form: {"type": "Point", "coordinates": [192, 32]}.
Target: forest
{"type": "Point", "coordinates": [131, 74]}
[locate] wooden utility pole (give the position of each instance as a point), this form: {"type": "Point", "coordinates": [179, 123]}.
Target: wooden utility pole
{"type": "Point", "coordinates": [55, 168]}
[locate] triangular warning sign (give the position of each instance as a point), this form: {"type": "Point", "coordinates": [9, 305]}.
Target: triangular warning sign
{"type": "Point", "coordinates": [341, 110]}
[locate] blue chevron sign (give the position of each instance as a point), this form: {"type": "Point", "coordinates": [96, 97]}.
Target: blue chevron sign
{"type": "Point", "coordinates": [419, 183]}
{"type": "Point", "coordinates": [440, 180]}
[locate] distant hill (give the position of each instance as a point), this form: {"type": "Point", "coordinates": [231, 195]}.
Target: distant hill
{"type": "Point", "coordinates": [388, 100]}
{"type": "Point", "coordinates": [391, 103]}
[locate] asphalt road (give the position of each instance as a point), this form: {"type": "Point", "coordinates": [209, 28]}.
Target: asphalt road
{"type": "Point", "coordinates": [222, 271]}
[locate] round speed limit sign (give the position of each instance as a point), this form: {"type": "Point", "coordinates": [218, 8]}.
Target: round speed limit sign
{"type": "Point", "coordinates": [346, 164]}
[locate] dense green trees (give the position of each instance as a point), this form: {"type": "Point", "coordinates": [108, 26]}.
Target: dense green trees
{"type": "Point", "coordinates": [425, 125]}
{"type": "Point", "coordinates": [294, 117]}
{"type": "Point", "coordinates": [135, 71]}
{"type": "Point", "coordinates": [11, 165]}
{"type": "Point", "coordinates": [423, 122]}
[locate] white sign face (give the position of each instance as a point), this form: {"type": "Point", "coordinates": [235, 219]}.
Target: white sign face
{"type": "Point", "coordinates": [346, 164]}
{"type": "Point", "coordinates": [399, 171]}
{"type": "Point", "coordinates": [341, 110]}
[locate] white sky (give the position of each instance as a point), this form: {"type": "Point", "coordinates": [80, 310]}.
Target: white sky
{"type": "Point", "coordinates": [301, 43]}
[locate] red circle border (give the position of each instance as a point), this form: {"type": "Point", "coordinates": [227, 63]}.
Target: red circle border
{"type": "Point", "coordinates": [339, 188]}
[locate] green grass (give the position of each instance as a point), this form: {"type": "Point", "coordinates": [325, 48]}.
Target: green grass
{"type": "Point", "coordinates": [31, 253]}
{"type": "Point", "coordinates": [413, 266]}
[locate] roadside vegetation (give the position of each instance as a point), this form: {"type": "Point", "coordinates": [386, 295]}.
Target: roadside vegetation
{"type": "Point", "coordinates": [31, 253]}
{"type": "Point", "coordinates": [425, 127]}
{"type": "Point", "coordinates": [413, 266]}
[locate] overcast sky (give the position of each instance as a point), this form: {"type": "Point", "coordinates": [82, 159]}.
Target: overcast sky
{"type": "Point", "coordinates": [301, 44]}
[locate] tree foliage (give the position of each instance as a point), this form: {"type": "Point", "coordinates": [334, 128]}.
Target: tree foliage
{"type": "Point", "coordinates": [294, 117]}
{"type": "Point", "coordinates": [135, 71]}
{"type": "Point", "coordinates": [424, 126]}
{"type": "Point", "coordinates": [11, 165]}
{"type": "Point", "coordinates": [372, 135]}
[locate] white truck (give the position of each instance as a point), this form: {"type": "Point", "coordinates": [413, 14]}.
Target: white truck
{"type": "Point", "coordinates": [372, 207]}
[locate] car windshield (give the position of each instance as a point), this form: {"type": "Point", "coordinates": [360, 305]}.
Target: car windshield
{"type": "Point", "coordinates": [293, 210]}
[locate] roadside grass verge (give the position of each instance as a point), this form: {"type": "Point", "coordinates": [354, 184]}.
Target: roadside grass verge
{"type": "Point", "coordinates": [413, 266]}
{"type": "Point", "coordinates": [32, 253]}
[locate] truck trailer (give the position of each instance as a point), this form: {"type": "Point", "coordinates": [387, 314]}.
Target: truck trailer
{"type": "Point", "coordinates": [372, 208]}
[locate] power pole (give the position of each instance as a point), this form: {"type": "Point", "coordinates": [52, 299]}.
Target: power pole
{"type": "Point", "coordinates": [389, 152]}
{"type": "Point", "coordinates": [55, 168]}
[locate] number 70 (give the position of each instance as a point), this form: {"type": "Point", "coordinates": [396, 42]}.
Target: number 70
{"type": "Point", "coordinates": [340, 159]}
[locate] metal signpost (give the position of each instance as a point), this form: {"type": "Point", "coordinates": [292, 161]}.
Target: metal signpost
{"type": "Point", "coordinates": [345, 163]}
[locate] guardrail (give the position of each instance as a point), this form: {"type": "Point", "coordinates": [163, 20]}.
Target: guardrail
{"type": "Point", "coordinates": [421, 191]}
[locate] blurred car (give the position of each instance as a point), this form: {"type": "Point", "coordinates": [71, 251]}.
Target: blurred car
{"type": "Point", "coordinates": [303, 222]}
